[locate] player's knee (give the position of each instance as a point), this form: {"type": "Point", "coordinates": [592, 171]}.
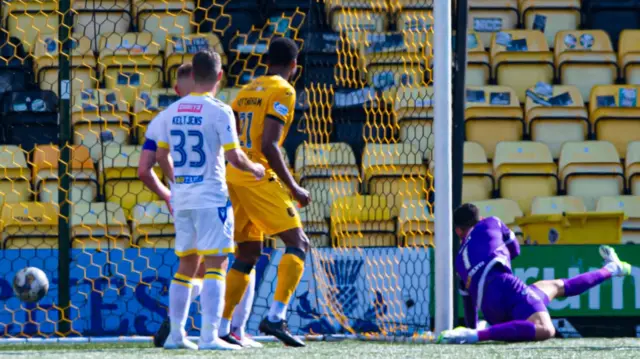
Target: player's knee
{"type": "Point", "coordinates": [188, 265]}
{"type": "Point", "coordinates": [545, 332]}
{"type": "Point", "coordinates": [295, 238]}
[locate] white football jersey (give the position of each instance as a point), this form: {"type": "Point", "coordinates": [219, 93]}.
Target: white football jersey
{"type": "Point", "coordinates": [197, 129]}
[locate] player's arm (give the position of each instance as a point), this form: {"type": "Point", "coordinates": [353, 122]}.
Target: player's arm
{"type": "Point", "coordinates": [228, 136]}
{"type": "Point", "coordinates": [470, 313]}
{"type": "Point", "coordinates": [163, 157]}
{"type": "Point", "coordinates": [146, 173]}
{"type": "Point", "coordinates": [510, 240]}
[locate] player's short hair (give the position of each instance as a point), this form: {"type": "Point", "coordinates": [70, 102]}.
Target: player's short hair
{"type": "Point", "coordinates": [184, 70]}
{"type": "Point", "coordinates": [206, 65]}
{"type": "Point", "coordinates": [282, 51]}
{"type": "Point", "coordinates": [466, 216]}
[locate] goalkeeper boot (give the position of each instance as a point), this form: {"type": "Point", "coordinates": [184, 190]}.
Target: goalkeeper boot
{"type": "Point", "coordinates": [231, 340]}
{"type": "Point", "coordinates": [459, 335]}
{"type": "Point", "coordinates": [617, 267]}
{"type": "Point", "coordinates": [161, 335]}
{"type": "Point", "coordinates": [279, 330]}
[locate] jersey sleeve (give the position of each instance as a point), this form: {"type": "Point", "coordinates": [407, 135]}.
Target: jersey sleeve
{"type": "Point", "coordinates": [156, 132]}
{"type": "Point", "coordinates": [510, 240]}
{"type": "Point", "coordinates": [226, 129]}
{"type": "Point", "coordinates": [281, 104]}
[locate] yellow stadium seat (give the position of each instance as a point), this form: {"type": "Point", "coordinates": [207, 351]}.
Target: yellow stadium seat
{"type": "Point", "coordinates": [550, 17]}
{"type": "Point", "coordinates": [180, 49]}
{"type": "Point", "coordinates": [590, 170]}
{"type": "Point", "coordinates": [478, 63]}
{"type": "Point", "coordinates": [396, 171]}
{"type": "Point", "coordinates": [99, 117]}
{"type": "Point", "coordinates": [84, 183]}
{"type": "Point", "coordinates": [227, 95]}
{"type": "Point", "coordinates": [392, 77]}
{"type": "Point", "coordinates": [96, 18]}
{"type": "Point", "coordinates": [579, 52]}
{"type": "Point", "coordinates": [629, 55]}
{"type": "Point", "coordinates": [505, 209]}
{"type": "Point", "coordinates": [362, 19]}
{"type": "Point", "coordinates": [632, 167]}
{"type": "Point", "coordinates": [83, 63]}
{"type": "Point", "coordinates": [15, 175]}
{"type": "Point", "coordinates": [557, 205]}
{"type": "Point", "coordinates": [525, 170]}
{"type": "Point", "coordinates": [363, 221]}
{"type": "Point", "coordinates": [164, 18]}
{"type": "Point", "coordinates": [525, 60]}
{"type": "Point", "coordinates": [26, 20]}
{"type": "Point", "coordinates": [477, 181]}
{"type": "Point", "coordinates": [415, 223]}
{"type": "Point", "coordinates": [99, 225]}
{"type": "Point", "coordinates": [129, 62]}
{"type": "Point", "coordinates": [328, 171]}
{"type": "Point", "coordinates": [121, 182]}
{"type": "Point", "coordinates": [315, 224]}
{"type": "Point", "coordinates": [493, 115]}
{"type": "Point", "coordinates": [630, 205]}
{"type": "Point", "coordinates": [487, 17]}
{"type": "Point", "coordinates": [29, 225]}
{"type": "Point", "coordinates": [414, 116]}
{"type": "Point", "coordinates": [152, 225]}
{"type": "Point", "coordinates": [554, 123]}
{"type": "Point", "coordinates": [148, 105]}
{"type": "Point", "coordinates": [615, 115]}
{"type": "Point", "coordinates": [414, 19]}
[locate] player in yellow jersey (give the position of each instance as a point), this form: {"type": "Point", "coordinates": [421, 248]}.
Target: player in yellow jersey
{"type": "Point", "coordinates": [264, 112]}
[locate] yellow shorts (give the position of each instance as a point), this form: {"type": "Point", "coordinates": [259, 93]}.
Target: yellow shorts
{"type": "Point", "coordinates": [267, 208]}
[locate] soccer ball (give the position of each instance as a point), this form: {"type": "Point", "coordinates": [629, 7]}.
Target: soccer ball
{"type": "Point", "coordinates": [30, 284]}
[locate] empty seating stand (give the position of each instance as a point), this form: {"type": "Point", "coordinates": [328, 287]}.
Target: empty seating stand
{"type": "Point", "coordinates": [30, 118]}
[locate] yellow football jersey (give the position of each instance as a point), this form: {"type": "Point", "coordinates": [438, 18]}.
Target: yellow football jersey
{"type": "Point", "coordinates": [264, 96]}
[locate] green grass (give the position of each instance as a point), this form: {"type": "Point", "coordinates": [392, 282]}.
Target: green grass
{"type": "Point", "coordinates": [595, 348]}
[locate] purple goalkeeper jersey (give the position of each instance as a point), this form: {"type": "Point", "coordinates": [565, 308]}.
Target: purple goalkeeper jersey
{"type": "Point", "coordinates": [487, 249]}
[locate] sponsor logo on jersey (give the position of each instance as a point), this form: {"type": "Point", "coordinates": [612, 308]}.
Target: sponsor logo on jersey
{"type": "Point", "coordinates": [190, 107]}
{"type": "Point", "coordinates": [280, 108]}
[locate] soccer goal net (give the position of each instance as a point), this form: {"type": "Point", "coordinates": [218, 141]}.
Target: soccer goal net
{"type": "Point", "coordinates": [80, 81]}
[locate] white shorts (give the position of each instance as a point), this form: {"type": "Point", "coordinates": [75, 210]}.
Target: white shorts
{"type": "Point", "coordinates": [207, 231]}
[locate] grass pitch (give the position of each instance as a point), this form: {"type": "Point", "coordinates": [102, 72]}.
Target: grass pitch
{"type": "Point", "coordinates": [591, 348]}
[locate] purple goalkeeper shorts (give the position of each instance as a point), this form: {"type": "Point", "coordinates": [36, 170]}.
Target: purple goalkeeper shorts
{"type": "Point", "coordinates": [507, 298]}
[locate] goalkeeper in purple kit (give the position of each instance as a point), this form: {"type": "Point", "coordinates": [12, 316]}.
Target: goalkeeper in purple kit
{"type": "Point", "coordinates": [516, 311]}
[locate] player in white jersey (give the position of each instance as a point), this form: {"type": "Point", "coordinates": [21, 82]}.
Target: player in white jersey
{"type": "Point", "coordinates": [194, 136]}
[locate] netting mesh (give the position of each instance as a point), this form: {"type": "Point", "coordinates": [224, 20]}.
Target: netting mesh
{"type": "Point", "coordinates": [364, 114]}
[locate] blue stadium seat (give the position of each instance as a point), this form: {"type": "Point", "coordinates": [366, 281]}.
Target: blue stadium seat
{"type": "Point", "coordinates": [30, 118]}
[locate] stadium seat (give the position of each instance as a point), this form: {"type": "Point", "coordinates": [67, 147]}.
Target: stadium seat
{"type": "Point", "coordinates": [27, 19]}
{"type": "Point", "coordinates": [632, 167]}
{"type": "Point", "coordinates": [29, 225]}
{"type": "Point", "coordinates": [520, 59]}
{"type": "Point", "coordinates": [84, 183]}
{"type": "Point", "coordinates": [15, 65]}
{"type": "Point", "coordinates": [180, 49]}
{"type": "Point", "coordinates": [129, 62]}
{"type": "Point", "coordinates": [550, 17]}
{"type": "Point", "coordinates": [358, 15]}
{"type": "Point", "coordinates": [477, 181]}
{"type": "Point", "coordinates": [487, 17]}
{"type": "Point", "coordinates": [493, 114]}
{"type": "Point", "coordinates": [392, 77]}
{"type": "Point", "coordinates": [98, 118]}
{"type": "Point", "coordinates": [96, 18]}
{"type": "Point", "coordinates": [525, 170]}
{"type": "Point", "coordinates": [15, 175]}
{"type": "Point", "coordinates": [630, 205]}
{"type": "Point", "coordinates": [328, 171]}
{"type": "Point", "coordinates": [396, 171]}
{"type": "Point", "coordinates": [82, 63]}
{"type": "Point", "coordinates": [478, 63]}
{"type": "Point", "coordinates": [505, 209]}
{"type": "Point", "coordinates": [227, 95]}
{"type": "Point", "coordinates": [152, 225]}
{"type": "Point", "coordinates": [164, 18]}
{"type": "Point", "coordinates": [557, 119]}
{"type": "Point", "coordinates": [416, 223]}
{"type": "Point", "coordinates": [629, 56]}
{"type": "Point", "coordinates": [579, 52]}
{"type": "Point", "coordinates": [148, 105]}
{"type": "Point", "coordinates": [414, 19]}
{"type": "Point", "coordinates": [363, 221]}
{"type": "Point", "coordinates": [590, 170]}
{"type": "Point", "coordinates": [99, 225]}
{"type": "Point", "coordinates": [30, 118]}
{"type": "Point", "coordinates": [414, 117]}
{"type": "Point", "coordinates": [615, 115]}
{"type": "Point", "coordinates": [313, 219]}
{"type": "Point", "coordinates": [121, 182]}
{"type": "Point", "coordinates": [557, 205]}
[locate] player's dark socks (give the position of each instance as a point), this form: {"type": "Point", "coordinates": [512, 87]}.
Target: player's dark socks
{"type": "Point", "coordinates": [161, 335]}
{"type": "Point", "coordinates": [231, 340]}
{"type": "Point", "coordinates": [514, 331]}
{"type": "Point", "coordinates": [280, 331]}
{"type": "Point", "coordinates": [583, 282]}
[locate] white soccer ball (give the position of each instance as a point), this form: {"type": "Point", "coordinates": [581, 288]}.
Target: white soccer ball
{"type": "Point", "coordinates": [30, 284]}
